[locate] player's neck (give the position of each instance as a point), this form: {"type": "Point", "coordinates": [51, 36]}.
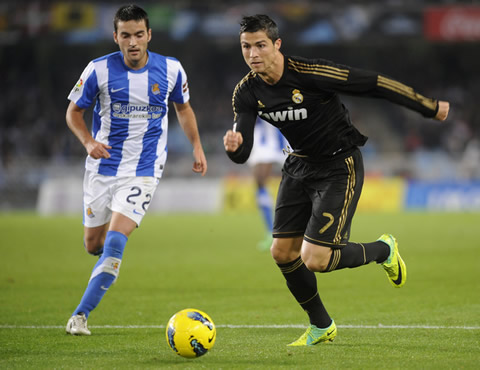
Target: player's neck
{"type": "Point", "coordinates": [275, 72]}
{"type": "Point", "coordinates": [136, 65]}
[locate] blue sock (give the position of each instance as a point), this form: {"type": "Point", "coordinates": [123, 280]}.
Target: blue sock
{"type": "Point", "coordinates": [104, 272]}
{"type": "Point", "coordinates": [264, 202]}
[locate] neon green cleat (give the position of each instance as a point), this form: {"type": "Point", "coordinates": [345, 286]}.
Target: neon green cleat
{"type": "Point", "coordinates": [265, 244]}
{"type": "Point", "coordinates": [315, 335]}
{"type": "Point", "coordinates": [394, 266]}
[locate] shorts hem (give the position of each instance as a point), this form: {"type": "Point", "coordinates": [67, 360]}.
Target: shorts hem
{"type": "Point", "coordinates": [95, 224]}
{"type": "Point", "coordinates": [287, 234]}
{"type": "Point", "coordinates": [323, 243]}
{"type": "Point", "coordinates": [137, 218]}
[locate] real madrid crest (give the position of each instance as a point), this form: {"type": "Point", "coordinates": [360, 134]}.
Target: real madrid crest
{"type": "Point", "coordinates": [297, 97]}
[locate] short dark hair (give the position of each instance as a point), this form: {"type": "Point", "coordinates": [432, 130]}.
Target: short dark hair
{"type": "Point", "coordinates": [260, 22]}
{"type": "Point", "coordinates": [130, 12]}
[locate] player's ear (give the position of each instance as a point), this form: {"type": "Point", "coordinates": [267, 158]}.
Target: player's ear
{"type": "Point", "coordinates": [149, 34]}
{"type": "Point", "coordinates": [115, 37]}
{"type": "Point", "coordinates": [278, 44]}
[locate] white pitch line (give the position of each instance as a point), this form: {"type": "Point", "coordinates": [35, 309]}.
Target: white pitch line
{"type": "Point", "coordinates": [228, 326]}
{"type": "Point", "coordinates": [379, 326]}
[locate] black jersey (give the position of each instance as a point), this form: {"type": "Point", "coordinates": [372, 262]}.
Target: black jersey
{"type": "Point", "coordinates": [304, 104]}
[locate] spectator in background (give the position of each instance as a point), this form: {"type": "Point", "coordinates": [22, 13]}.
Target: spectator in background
{"type": "Point", "coordinates": [268, 150]}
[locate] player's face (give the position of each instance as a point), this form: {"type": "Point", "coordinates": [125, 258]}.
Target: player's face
{"type": "Point", "coordinates": [260, 52]}
{"type": "Point", "coordinates": [132, 38]}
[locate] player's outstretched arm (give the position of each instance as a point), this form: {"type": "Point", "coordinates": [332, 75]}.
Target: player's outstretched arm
{"type": "Point", "coordinates": [77, 125]}
{"type": "Point", "coordinates": [188, 122]}
{"type": "Point", "coordinates": [443, 108]}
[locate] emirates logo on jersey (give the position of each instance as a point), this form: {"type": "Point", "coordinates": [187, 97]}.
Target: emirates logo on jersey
{"type": "Point", "coordinates": [297, 97]}
{"type": "Point", "coordinates": [155, 89]}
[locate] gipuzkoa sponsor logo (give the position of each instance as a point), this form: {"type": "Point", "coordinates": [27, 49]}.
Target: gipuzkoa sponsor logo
{"type": "Point", "coordinates": [137, 111]}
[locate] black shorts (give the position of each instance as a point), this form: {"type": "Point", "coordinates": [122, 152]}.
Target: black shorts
{"type": "Point", "coordinates": [317, 201]}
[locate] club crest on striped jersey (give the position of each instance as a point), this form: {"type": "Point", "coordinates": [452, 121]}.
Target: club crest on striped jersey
{"type": "Point", "coordinates": [155, 89]}
{"type": "Point", "coordinates": [297, 97]}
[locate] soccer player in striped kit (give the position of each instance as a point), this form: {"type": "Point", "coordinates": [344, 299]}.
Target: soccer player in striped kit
{"type": "Point", "coordinates": [323, 176]}
{"type": "Point", "coordinates": [127, 146]}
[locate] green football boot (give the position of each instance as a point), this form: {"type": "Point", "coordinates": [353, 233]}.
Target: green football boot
{"type": "Point", "coordinates": [394, 266]}
{"type": "Point", "coordinates": [315, 335]}
{"type": "Point", "coordinates": [265, 244]}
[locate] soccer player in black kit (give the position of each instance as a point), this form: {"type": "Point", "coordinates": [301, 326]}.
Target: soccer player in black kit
{"type": "Point", "coordinates": [323, 174]}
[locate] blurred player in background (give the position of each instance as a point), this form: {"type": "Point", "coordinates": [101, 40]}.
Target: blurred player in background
{"type": "Point", "coordinates": [268, 150]}
{"type": "Point", "coordinates": [127, 146]}
{"type": "Point", "coordinates": [323, 176]}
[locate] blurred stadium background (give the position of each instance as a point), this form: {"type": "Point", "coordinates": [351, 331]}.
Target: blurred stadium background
{"type": "Point", "coordinates": [411, 162]}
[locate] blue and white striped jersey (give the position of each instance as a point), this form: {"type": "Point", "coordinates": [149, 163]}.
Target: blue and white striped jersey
{"type": "Point", "coordinates": [131, 111]}
{"type": "Point", "coordinates": [268, 144]}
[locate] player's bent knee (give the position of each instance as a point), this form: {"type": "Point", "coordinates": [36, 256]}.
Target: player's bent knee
{"type": "Point", "coordinates": [93, 248]}
{"type": "Point", "coordinates": [315, 265]}
{"type": "Point", "coordinates": [93, 245]}
{"type": "Point", "coordinates": [282, 251]}
{"type": "Point", "coordinates": [276, 253]}
{"type": "Point", "coordinates": [317, 262]}
{"type": "Point", "coordinates": [109, 265]}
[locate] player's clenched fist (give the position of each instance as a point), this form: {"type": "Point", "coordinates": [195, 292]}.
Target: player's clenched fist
{"type": "Point", "coordinates": [232, 140]}
{"type": "Point", "coordinates": [443, 108]}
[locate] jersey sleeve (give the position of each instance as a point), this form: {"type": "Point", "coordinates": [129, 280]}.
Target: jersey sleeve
{"type": "Point", "coordinates": [245, 115]}
{"type": "Point", "coordinates": [360, 82]}
{"type": "Point", "coordinates": [86, 89]}
{"type": "Point", "coordinates": [180, 93]}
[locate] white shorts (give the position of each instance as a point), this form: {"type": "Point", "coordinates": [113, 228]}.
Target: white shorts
{"type": "Point", "coordinates": [268, 144]}
{"type": "Point", "coordinates": [103, 195]}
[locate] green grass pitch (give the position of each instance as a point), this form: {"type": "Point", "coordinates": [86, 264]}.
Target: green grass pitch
{"type": "Point", "coordinates": [210, 262]}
